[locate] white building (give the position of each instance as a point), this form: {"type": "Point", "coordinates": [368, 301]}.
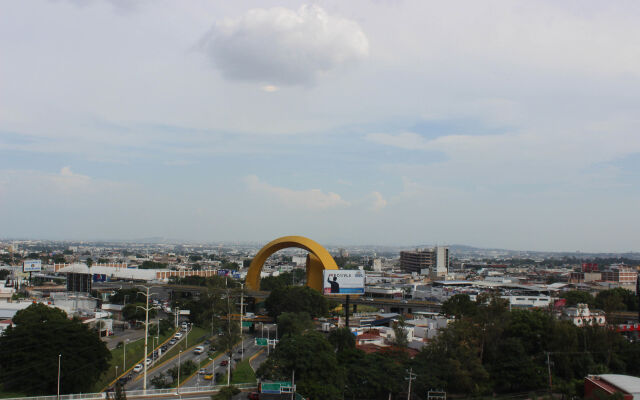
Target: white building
{"type": "Point", "coordinates": [582, 316]}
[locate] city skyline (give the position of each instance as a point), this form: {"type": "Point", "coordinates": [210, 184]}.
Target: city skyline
{"type": "Point", "coordinates": [357, 123]}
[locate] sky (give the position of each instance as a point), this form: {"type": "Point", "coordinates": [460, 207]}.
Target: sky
{"type": "Point", "coordinates": [509, 124]}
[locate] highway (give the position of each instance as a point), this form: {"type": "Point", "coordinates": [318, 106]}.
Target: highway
{"type": "Point", "coordinates": [197, 380]}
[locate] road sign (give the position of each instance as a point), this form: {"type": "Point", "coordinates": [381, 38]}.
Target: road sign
{"type": "Point", "coordinates": [274, 387]}
{"type": "Point", "coordinates": [247, 324]}
{"type": "Point", "coordinates": [261, 341]}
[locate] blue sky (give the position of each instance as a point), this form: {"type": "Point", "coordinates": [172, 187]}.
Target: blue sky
{"type": "Point", "coordinates": [507, 124]}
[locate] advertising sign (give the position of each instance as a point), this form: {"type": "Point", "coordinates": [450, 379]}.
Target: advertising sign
{"type": "Point", "coordinates": [32, 266]}
{"type": "Point", "coordinates": [340, 282]}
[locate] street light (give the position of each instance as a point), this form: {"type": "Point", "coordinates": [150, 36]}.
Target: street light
{"type": "Point", "coordinates": [178, 387]}
{"type": "Point", "coordinates": [59, 360]}
{"type": "Point", "coordinates": [146, 336]}
{"type": "Point", "coordinates": [213, 372]}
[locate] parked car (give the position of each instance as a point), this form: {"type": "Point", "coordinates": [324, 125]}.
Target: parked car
{"type": "Point", "coordinates": [138, 368]}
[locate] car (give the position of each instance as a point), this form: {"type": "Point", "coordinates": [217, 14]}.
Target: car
{"type": "Point", "coordinates": [164, 348]}
{"type": "Point", "coordinates": [207, 341]}
{"type": "Point", "coordinates": [148, 361]}
{"type": "Point", "coordinates": [172, 342]}
{"type": "Point", "coordinates": [184, 328]}
{"type": "Point", "coordinates": [202, 371]}
{"type": "Point", "coordinates": [254, 396]}
{"type": "Point", "coordinates": [178, 335]}
{"type": "Point", "coordinates": [208, 377]}
{"type": "Point", "coordinates": [155, 354]}
{"type": "Point", "coordinates": [199, 350]}
{"type": "Point", "coordinates": [224, 363]}
{"type": "Point", "coordinates": [185, 325]}
{"type": "Point", "coordinates": [138, 368]}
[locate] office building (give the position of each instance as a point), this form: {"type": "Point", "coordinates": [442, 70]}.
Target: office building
{"type": "Point", "coordinates": [433, 262]}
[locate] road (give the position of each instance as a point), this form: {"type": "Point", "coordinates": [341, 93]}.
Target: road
{"type": "Point", "coordinates": [249, 350]}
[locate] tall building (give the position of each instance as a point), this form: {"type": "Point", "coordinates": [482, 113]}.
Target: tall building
{"type": "Point", "coordinates": [434, 262]}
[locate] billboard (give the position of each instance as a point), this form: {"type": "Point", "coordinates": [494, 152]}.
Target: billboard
{"type": "Point", "coordinates": [32, 266]}
{"type": "Point", "coordinates": [337, 282]}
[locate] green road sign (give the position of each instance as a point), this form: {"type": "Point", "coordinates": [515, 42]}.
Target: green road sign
{"type": "Point", "coordinates": [261, 341]}
{"type": "Point", "coordinates": [273, 387]}
{"type": "Point", "coordinates": [247, 324]}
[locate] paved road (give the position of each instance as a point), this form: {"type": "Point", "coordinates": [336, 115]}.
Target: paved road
{"type": "Point", "coordinates": [249, 350]}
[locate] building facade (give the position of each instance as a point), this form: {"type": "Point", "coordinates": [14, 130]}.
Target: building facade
{"type": "Point", "coordinates": [434, 262]}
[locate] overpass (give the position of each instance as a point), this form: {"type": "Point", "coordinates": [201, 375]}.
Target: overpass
{"type": "Point", "coordinates": [399, 306]}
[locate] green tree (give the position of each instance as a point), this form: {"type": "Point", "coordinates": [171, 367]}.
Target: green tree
{"type": "Point", "coordinates": [400, 333]}
{"type": "Point", "coordinates": [152, 265]}
{"type": "Point", "coordinates": [133, 312]}
{"type": "Point", "coordinates": [459, 305]}
{"type": "Point", "coordinates": [33, 345]}
{"type": "Point", "coordinates": [296, 299]}
{"type": "Point", "coordinates": [617, 299]}
{"type": "Point", "coordinates": [574, 297]}
{"type": "Point", "coordinates": [318, 374]}
{"type": "Point", "coordinates": [290, 323]}
{"type": "Point", "coordinates": [342, 339]}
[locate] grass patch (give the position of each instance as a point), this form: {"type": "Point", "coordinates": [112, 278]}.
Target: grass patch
{"type": "Point", "coordinates": [5, 395]}
{"type": "Point", "coordinates": [243, 373]}
{"type": "Point", "coordinates": [135, 353]}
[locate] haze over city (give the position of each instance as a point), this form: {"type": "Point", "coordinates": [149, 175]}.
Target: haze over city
{"type": "Point", "coordinates": [505, 124]}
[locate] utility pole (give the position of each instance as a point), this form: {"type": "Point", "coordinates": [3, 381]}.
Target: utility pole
{"type": "Point", "coordinates": [411, 377]}
{"type": "Point", "coordinates": [293, 385]}
{"type": "Point", "coordinates": [178, 387]}
{"type": "Point", "coordinates": [59, 361]}
{"type": "Point", "coordinates": [241, 315]}
{"type": "Point", "coordinates": [230, 344]}
{"type": "Point", "coordinates": [146, 336]}
{"type": "Point", "coordinates": [549, 372]}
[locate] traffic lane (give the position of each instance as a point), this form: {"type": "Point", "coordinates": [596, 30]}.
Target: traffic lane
{"type": "Point", "coordinates": [163, 369]}
{"type": "Point", "coordinates": [137, 377]}
{"type": "Point", "coordinates": [249, 350]}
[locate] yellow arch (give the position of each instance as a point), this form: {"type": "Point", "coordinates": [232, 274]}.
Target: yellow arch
{"type": "Point", "coordinates": [318, 260]}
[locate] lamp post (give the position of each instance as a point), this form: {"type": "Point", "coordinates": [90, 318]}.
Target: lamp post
{"type": "Point", "coordinates": [59, 361]}
{"type": "Point", "coordinates": [146, 336]}
{"type": "Point", "coordinates": [241, 315]}
{"type": "Point", "coordinates": [178, 387]}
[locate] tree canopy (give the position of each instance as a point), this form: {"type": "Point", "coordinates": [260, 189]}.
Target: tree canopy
{"type": "Point", "coordinates": [296, 299]}
{"type": "Point", "coordinates": [29, 353]}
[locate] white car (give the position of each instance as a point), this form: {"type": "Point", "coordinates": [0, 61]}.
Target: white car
{"type": "Point", "coordinates": [178, 335]}
{"type": "Point", "coordinates": [148, 361]}
{"type": "Point", "coordinates": [138, 368]}
{"type": "Point", "coordinates": [199, 350]}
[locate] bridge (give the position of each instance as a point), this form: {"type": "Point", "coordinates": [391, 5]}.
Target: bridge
{"type": "Point", "coordinates": [395, 305]}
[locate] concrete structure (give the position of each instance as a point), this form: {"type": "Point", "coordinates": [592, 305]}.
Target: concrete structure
{"type": "Point", "coordinates": [622, 274]}
{"type": "Point", "coordinates": [318, 260]}
{"type": "Point", "coordinates": [433, 262]}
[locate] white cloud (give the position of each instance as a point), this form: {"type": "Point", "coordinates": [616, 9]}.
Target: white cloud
{"type": "Point", "coordinates": [378, 202]}
{"type": "Point", "coordinates": [310, 199]}
{"type": "Point", "coordinates": [283, 46]}
{"type": "Point", "coordinates": [405, 140]}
